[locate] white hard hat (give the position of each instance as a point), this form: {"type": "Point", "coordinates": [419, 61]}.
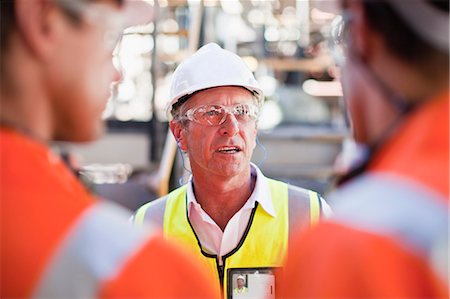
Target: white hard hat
{"type": "Point", "coordinates": [241, 277]}
{"type": "Point", "coordinates": [211, 66]}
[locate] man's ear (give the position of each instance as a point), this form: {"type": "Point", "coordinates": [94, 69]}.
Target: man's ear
{"type": "Point", "coordinates": [37, 22]}
{"type": "Point", "coordinates": [179, 132]}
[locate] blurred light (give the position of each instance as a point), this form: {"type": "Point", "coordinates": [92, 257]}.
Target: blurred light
{"type": "Point", "coordinates": [123, 112]}
{"type": "Point", "coordinates": [288, 48]}
{"type": "Point", "coordinates": [151, 2]}
{"type": "Point", "coordinates": [140, 109]}
{"type": "Point", "coordinates": [320, 16]}
{"type": "Point", "coordinates": [109, 109]}
{"type": "Point", "coordinates": [327, 6]}
{"type": "Point", "coordinates": [193, 2]}
{"type": "Point", "coordinates": [270, 116]}
{"type": "Point", "coordinates": [322, 88]}
{"type": "Point", "coordinates": [268, 85]}
{"type": "Point", "coordinates": [117, 173]}
{"type": "Point", "coordinates": [162, 96]}
{"type": "Point", "coordinates": [271, 34]}
{"type": "Point", "coordinates": [126, 91]}
{"type": "Point", "coordinates": [256, 17]}
{"type": "Point", "coordinates": [138, 44]}
{"type": "Point", "coordinates": [145, 28]}
{"type": "Point", "coordinates": [289, 11]}
{"type": "Point", "coordinates": [231, 6]}
{"type": "Point", "coordinates": [293, 34]}
{"type": "Point", "coordinates": [210, 3]}
{"type": "Point", "coordinates": [258, 2]}
{"type": "Point", "coordinates": [289, 16]}
{"type": "Point", "coordinates": [170, 44]}
{"type": "Point", "coordinates": [169, 25]}
{"type": "Point", "coordinates": [283, 33]}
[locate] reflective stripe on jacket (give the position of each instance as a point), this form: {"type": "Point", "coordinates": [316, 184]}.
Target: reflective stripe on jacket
{"type": "Point", "coordinates": [388, 237]}
{"type": "Point", "coordinates": [91, 254]}
{"type": "Point", "coordinates": [265, 240]}
{"type": "Point", "coordinates": [58, 241]}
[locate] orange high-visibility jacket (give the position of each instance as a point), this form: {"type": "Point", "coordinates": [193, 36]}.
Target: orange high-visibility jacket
{"type": "Point", "coordinates": [57, 241]}
{"type": "Point", "coordinates": [389, 235]}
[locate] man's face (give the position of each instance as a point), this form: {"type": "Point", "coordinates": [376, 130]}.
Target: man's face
{"type": "Point", "coordinates": [81, 74]}
{"type": "Point", "coordinates": [240, 283]}
{"type": "Point", "coordinates": [222, 150]}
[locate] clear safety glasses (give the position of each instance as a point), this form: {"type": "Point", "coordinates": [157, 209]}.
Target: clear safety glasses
{"type": "Point", "coordinates": [112, 22]}
{"type": "Point", "coordinates": [339, 37]}
{"type": "Point", "coordinates": [214, 115]}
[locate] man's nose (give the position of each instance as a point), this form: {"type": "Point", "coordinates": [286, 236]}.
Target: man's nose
{"type": "Point", "coordinates": [230, 127]}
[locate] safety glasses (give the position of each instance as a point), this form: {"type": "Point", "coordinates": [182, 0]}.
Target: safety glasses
{"type": "Point", "coordinates": [112, 22]}
{"type": "Point", "coordinates": [339, 37]}
{"type": "Point", "coordinates": [215, 115]}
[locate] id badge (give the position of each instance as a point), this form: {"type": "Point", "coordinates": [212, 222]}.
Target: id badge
{"type": "Point", "coordinates": [251, 283]}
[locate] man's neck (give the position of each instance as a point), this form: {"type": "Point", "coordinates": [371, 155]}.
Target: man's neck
{"type": "Point", "coordinates": [27, 121]}
{"type": "Point", "coordinates": [24, 103]}
{"type": "Point", "coordinates": [222, 198]}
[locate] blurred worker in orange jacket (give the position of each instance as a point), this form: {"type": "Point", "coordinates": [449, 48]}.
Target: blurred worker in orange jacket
{"type": "Point", "coordinates": [57, 241]}
{"type": "Point", "coordinates": [389, 235]}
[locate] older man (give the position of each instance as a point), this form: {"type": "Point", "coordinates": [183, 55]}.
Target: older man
{"type": "Point", "coordinates": [240, 285]}
{"type": "Point", "coordinates": [57, 240]}
{"type": "Point", "coordinates": [229, 214]}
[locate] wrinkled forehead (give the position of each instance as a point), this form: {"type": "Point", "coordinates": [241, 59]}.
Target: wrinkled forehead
{"type": "Point", "coordinates": [226, 96]}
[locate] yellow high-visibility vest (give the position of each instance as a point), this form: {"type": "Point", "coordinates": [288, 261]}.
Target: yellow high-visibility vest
{"type": "Point", "coordinates": [265, 240]}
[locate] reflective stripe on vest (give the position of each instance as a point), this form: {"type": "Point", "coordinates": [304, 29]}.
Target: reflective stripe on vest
{"type": "Point", "coordinates": [265, 240]}
{"type": "Point", "coordinates": [314, 206]}
{"type": "Point", "coordinates": [139, 217]}
{"type": "Point", "coordinates": [95, 250]}
{"type": "Point", "coordinates": [411, 215]}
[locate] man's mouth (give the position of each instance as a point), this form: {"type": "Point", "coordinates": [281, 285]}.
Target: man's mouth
{"type": "Point", "coordinates": [228, 149]}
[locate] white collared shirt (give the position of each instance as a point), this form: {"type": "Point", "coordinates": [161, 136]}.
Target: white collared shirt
{"type": "Point", "coordinates": [216, 242]}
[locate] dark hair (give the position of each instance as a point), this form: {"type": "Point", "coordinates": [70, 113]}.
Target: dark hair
{"type": "Point", "coordinates": [400, 38]}
{"type": "Point", "coordinates": [7, 22]}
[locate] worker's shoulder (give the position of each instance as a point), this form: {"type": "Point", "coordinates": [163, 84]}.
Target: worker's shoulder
{"type": "Point", "coordinates": [299, 191]}
{"type": "Point", "coordinates": [151, 212]}
{"type": "Point", "coordinates": [154, 205]}
{"type": "Point", "coordinates": [296, 193]}
{"type": "Point", "coordinates": [121, 255]}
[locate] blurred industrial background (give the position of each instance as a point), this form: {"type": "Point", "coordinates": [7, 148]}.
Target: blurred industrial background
{"type": "Point", "coordinates": [302, 125]}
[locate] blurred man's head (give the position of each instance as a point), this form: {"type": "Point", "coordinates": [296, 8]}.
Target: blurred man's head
{"type": "Point", "coordinates": [66, 49]}
{"type": "Point", "coordinates": [392, 55]}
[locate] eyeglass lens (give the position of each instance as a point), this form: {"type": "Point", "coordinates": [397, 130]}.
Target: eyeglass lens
{"type": "Point", "coordinates": [339, 30]}
{"type": "Point", "coordinates": [216, 115]}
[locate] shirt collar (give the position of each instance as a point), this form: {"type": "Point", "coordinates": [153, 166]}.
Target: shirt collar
{"type": "Point", "coordinates": [261, 194]}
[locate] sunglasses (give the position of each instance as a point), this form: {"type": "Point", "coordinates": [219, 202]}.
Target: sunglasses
{"type": "Point", "coordinates": [339, 36]}
{"type": "Point", "coordinates": [111, 21]}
